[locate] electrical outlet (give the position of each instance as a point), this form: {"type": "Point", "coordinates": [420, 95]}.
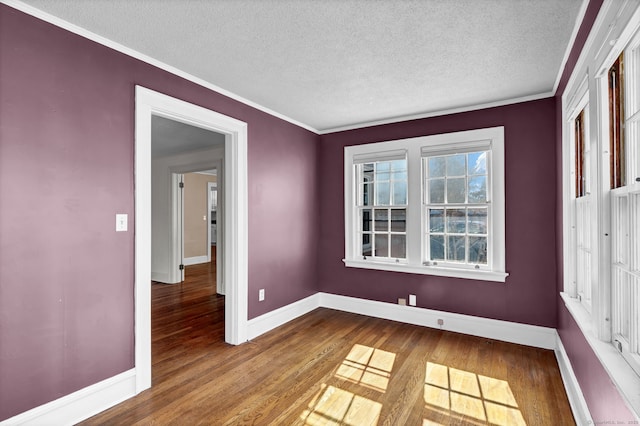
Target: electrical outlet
{"type": "Point", "coordinates": [261, 295]}
{"type": "Point", "coordinates": [402, 301]}
{"type": "Point", "coordinates": [412, 300]}
{"type": "Point", "coordinates": [440, 322]}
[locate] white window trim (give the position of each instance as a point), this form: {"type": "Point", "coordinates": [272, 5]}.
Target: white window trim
{"type": "Point", "coordinates": [415, 231]}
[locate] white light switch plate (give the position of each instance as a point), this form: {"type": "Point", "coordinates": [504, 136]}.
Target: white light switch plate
{"type": "Point", "coordinates": [121, 222]}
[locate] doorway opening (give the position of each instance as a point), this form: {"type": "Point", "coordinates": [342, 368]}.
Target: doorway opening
{"type": "Point", "coordinates": [233, 171]}
{"type": "Point", "coordinates": [200, 234]}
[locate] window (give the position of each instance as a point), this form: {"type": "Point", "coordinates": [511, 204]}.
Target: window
{"type": "Point", "coordinates": [456, 208]}
{"type": "Point", "coordinates": [428, 205]}
{"type": "Point", "coordinates": [581, 204]}
{"type": "Point", "coordinates": [382, 209]}
{"type": "Point", "coordinates": [602, 193]}
{"type": "Point", "coordinates": [624, 112]}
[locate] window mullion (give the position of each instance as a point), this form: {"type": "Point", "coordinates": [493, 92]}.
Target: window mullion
{"type": "Point", "coordinates": [600, 216]}
{"type": "Point", "coordinates": [414, 209]}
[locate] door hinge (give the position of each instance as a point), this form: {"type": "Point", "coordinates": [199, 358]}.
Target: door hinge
{"type": "Point", "coordinates": [181, 267]}
{"type": "Point", "coordinates": [181, 184]}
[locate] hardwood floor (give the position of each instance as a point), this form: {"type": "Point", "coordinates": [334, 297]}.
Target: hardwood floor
{"type": "Point", "coordinates": [331, 367]}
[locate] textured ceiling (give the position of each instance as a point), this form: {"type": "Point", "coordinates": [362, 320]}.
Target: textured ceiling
{"type": "Point", "coordinates": [330, 64]}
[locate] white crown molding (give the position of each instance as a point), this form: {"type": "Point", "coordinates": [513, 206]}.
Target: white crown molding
{"type": "Point", "coordinates": [574, 34]}
{"type": "Point", "coordinates": [54, 20]}
{"type": "Point", "coordinates": [30, 10]}
{"type": "Point", "coordinates": [468, 108]}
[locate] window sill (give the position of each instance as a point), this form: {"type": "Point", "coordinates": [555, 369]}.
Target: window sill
{"type": "Point", "coordinates": [621, 373]}
{"type": "Point", "coordinates": [440, 271]}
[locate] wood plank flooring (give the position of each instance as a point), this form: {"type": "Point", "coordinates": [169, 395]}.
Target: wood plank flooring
{"type": "Point", "coordinates": [332, 368]}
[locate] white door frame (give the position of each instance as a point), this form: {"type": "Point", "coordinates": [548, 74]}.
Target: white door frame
{"type": "Point", "coordinates": [219, 184]}
{"type": "Point", "coordinates": [148, 103]}
{"type": "Point", "coordinates": [210, 185]}
{"type": "Point", "coordinates": [177, 227]}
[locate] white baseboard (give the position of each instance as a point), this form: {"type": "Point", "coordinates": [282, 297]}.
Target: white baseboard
{"type": "Point", "coordinates": [80, 405]}
{"type": "Point", "coordinates": [96, 398]}
{"type": "Point", "coordinates": [195, 260]}
{"type": "Point", "coordinates": [276, 318]}
{"type": "Point", "coordinates": [161, 277]}
{"type": "Point", "coordinates": [576, 399]}
{"type": "Point", "coordinates": [523, 334]}
{"type": "Point", "coordinates": [530, 335]}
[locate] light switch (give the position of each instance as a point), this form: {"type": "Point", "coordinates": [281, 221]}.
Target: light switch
{"type": "Point", "coordinates": [121, 222]}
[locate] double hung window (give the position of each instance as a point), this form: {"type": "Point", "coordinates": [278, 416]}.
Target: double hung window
{"type": "Point", "coordinates": [428, 205]}
{"type": "Point", "coordinates": [382, 208]}
{"type": "Point", "coordinates": [624, 116]}
{"type": "Point", "coordinates": [456, 205]}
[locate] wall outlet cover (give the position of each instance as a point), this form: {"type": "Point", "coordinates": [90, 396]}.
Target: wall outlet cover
{"type": "Point", "coordinates": [412, 299]}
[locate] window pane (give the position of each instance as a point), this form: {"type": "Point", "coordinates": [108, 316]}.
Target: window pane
{"type": "Point", "coordinates": [477, 163]}
{"type": "Point", "coordinates": [478, 250]}
{"type": "Point", "coordinates": [399, 246]}
{"type": "Point", "coordinates": [478, 189]}
{"type": "Point", "coordinates": [367, 191]}
{"type": "Point", "coordinates": [436, 191]}
{"type": "Point", "coordinates": [456, 165]}
{"type": "Point", "coordinates": [436, 220]}
{"type": "Point", "coordinates": [382, 220]}
{"type": "Point", "coordinates": [436, 246]}
{"type": "Point", "coordinates": [366, 244]}
{"type": "Point", "coordinates": [477, 221]}
{"type": "Point", "coordinates": [399, 166]}
{"type": "Point", "coordinates": [399, 220]}
{"type": "Point", "coordinates": [436, 167]}
{"type": "Point", "coordinates": [382, 170]}
{"type": "Point", "coordinates": [456, 190]}
{"type": "Point", "coordinates": [455, 248]}
{"type": "Point", "coordinates": [382, 193]}
{"type": "Point", "coordinates": [366, 220]}
{"type": "Point", "coordinates": [382, 245]}
{"type": "Point", "coordinates": [456, 221]}
{"type": "Point", "coordinates": [399, 193]}
{"type": "Point", "coordinates": [367, 172]}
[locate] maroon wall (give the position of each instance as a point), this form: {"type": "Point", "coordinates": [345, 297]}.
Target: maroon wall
{"type": "Point", "coordinates": [66, 168]}
{"type": "Point", "coordinates": [604, 401]}
{"type": "Point", "coordinates": [529, 294]}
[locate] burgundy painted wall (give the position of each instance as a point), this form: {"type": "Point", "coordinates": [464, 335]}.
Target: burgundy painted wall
{"type": "Point", "coordinates": [66, 168]}
{"type": "Point", "coordinates": [529, 295]}
{"type": "Point", "coordinates": [603, 399]}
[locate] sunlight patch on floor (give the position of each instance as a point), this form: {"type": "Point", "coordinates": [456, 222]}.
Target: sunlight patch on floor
{"type": "Point", "coordinates": [364, 366]}
{"type": "Point", "coordinates": [465, 395]}
{"type": "Point", "coordinates": [368, 367]}
{"type": "Point", "coordinates": [334, 406]}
